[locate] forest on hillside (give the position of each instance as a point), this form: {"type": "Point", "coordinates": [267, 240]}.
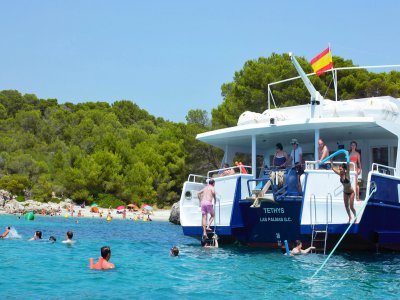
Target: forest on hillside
{"type": "Point", "coordinates": [119, 153]}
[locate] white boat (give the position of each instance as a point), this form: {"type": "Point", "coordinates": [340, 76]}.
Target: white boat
{"type": "Point", "coordinates": [315, 208]}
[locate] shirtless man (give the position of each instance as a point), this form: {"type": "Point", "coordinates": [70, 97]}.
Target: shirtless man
{"type": "Point", "coordinates": [103, 263]}
{"type": "Point", "coordinates": [323, 152]}
{"type": "Point", "coordinates": [297, 249]}
{"type": "Point", "coordinates": [206, 195]}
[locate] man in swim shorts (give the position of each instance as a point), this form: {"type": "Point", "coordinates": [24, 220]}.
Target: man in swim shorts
{"type": "Point", "coordinates": [206, 195]}
{"type": "Point", "coordinates": [103, 263]}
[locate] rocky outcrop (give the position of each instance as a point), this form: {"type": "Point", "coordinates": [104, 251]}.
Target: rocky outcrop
{"type": "Point", "coordinates": [4, 196]}
{"type": "Point", "coordinates": [12, 206]}
{"type": "Point", "coordinates": [174, 217]}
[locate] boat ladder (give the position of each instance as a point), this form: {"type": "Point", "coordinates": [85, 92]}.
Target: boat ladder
{"type": "Point", "coordinates": [319, 234]}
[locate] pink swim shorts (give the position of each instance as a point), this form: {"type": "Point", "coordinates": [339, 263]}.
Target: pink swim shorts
{"type": "Point", "coordinates": [207, 208]}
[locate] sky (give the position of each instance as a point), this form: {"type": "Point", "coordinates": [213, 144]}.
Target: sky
{"type": "Point", "coordinates": [172, 56]}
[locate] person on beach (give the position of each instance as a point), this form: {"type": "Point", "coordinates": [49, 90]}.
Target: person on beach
{"type": "Point", "coordinates": [206, 195]}
{"type": "Point", "coordinates": [297, 249]}
{"type": "Point", "coordinates": [174, 251]}
{"type": "Point", "coordinates": [5, 233]}
{"type": "Point", "coordinates": [103, 263]}
{"type": "Point", "coordinates": [348, 193]}
{"type": "Point", "coordinates": [69, 240]}
{"type": "Point", "coordinates": [36, 236]}
{"type": "Point", "coordinates": [124, 214]}
{"type": "Point", "coordinates": [209, 243]}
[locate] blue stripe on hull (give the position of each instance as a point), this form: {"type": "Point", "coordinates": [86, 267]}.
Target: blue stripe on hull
{"type": "Point", "coordinates": [197, 231]}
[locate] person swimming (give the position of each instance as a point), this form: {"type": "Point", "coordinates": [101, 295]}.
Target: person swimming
{"type": "Point", "coordinates": [4, 235]}
{"type": "Point", "coordinates": [210, 243]}
{"type": "Point", "coordinates": [36, 236]}
{"type": "Point", "coordinates": [69, 240]}
{"type": "Point", "coordinates": [103, 263]}
{"type": "Point", "coordinates": [174, 251]}
{"type": "Point", "coordinates": [52, 239]}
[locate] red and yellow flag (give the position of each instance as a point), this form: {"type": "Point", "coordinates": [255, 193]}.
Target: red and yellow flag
{"type": "Point", "coordinates": [322, 62]}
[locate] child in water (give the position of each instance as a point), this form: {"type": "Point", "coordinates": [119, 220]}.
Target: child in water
{"type": "Point", "coordinates": [103, 263]}
{"type": "Point", "coordinates": [36, 236]}
{"type": "Point", "coordinates": [174, 251]}
{"type": "Point", "coordinates": [69, 240]}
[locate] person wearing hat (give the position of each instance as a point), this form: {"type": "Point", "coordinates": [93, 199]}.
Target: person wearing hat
{"type": "Point", "coordinates": [297, 153]}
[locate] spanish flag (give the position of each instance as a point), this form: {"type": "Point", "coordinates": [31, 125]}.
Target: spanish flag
{"type": "Point", "coordinates": [322, 62]}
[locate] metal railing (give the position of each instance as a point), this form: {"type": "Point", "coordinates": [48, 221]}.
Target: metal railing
{"type": "Point", "coordinates": [197, 178]}
{"type": "Point", "coordinates": [384, 169]}
{"type": "Point", "coordinates": [313, 202]}
{"type": "Point", "coordinates": [242, 169]}
{"type": "Point", "coordinates": [313, 165]}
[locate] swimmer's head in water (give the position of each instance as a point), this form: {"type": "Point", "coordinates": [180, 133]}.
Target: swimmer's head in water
{"type": "Point", "coordinates": [298, 243]}
{"type": "Point", "coordinates": [52, 239]}
{"type": "Point", "coordinates": [105, 252]}
{"type": "Point", "coordinates": [174, 251]}
{"type": "Point", "coordinates": [70, 234]}
{"type": "Point", "coordinates": [8, 227]}
{"type": "Point", "coordinates": [38, 233]}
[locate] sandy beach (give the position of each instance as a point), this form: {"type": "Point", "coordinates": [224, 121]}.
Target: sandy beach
{"type": "Point", "coordinates": [155, 215]}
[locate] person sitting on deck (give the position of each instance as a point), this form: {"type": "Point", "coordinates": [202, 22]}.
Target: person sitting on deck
{"type": "Point", "coordinates": [242, 169]}
{"type": "Point", "coordinates": [227, 171]}
{"type": "Point", "coordinates": [103, 263]}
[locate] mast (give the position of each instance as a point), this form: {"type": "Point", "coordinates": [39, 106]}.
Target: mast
{"type": "Point", "coordinates": [316, 98]}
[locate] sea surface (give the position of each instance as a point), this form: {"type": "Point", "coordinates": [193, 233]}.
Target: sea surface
{"type": "Point", "coordinates": [145, 270]}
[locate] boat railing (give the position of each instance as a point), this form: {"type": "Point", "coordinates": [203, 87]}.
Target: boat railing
{"type": "Point", "coordinates": [328, 207]}
{"type": "Point", "coordinates": [313, 165]}
{"type": "Point", "coordinates": [241, 169]}
{"type": "Point", "coordinates": [197, 178]}
{"type": "Point", "coordinates": [384, 169]}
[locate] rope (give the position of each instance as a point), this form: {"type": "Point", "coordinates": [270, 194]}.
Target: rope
{"type": "Point", "coordinates": [348, 228]}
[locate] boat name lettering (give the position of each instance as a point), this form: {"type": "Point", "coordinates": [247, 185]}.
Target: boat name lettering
{"type": "Point", "coordinates": [271, 210]}
{"type": "Point", "coordinates": [273, 219]}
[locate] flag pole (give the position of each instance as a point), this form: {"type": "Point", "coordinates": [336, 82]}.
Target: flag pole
{"type": "Point", "coordinates": [334, 74]}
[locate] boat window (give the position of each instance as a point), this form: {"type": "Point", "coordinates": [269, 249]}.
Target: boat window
{"type": "Point", "coordinates": [380, 155]}
{"type": "Point", "coordinates": [394, 155]}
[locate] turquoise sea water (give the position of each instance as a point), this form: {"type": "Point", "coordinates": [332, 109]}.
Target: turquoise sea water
{"type": "Point", "coordinates": [144, 269]}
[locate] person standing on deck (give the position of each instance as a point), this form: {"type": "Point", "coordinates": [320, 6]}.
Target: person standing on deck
{"type": "Point", "coordinates": [206, 195]}
{"type": "Point", "coordinates": [323, 152]}
{"type": "Point", "coordinates": [356, 159]}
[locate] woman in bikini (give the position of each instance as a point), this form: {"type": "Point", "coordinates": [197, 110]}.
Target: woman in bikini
{"type": "Point", "coordinates": [348, 193]}
{"type": "Point", "coordinates": [356, 159]}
